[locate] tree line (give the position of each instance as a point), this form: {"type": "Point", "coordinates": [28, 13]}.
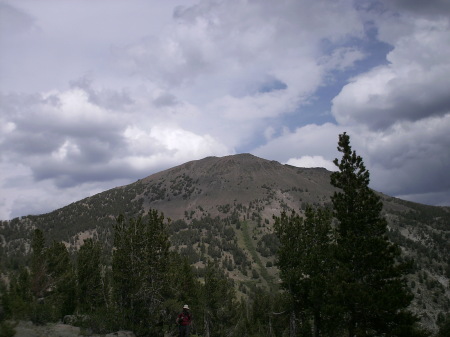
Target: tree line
{"type": "Point", "coordinates": [340, 276]}
{"type": "Point", "coordinates": [141, 288]}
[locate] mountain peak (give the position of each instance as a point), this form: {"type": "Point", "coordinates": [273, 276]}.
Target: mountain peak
{"type": "Point", "coordinates": [241, 192]}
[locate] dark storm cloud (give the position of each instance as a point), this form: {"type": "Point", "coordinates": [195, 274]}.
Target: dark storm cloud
{"type": "Point", "coordinates": [106, 98]}
{"type": "Point", "coordinates": [383, 110]}
{"type": "Point", "coordinates": [69, 174]}
{"type": "Point", "coordinates": [421, 7]}
{"type": "Point", "coordinates": [46, 136]}
{"type": "Point", "coordinates": [165, 99]}
{"type": "Point", "coordinates": [73, 173]}
{"type": "Point", "coordinates": [36, 144]}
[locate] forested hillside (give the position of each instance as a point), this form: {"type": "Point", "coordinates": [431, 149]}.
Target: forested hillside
{"type": "Point", "coordinates": [217, 242]}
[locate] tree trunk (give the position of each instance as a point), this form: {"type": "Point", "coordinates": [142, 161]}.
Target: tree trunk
{"type": "Point", "coordinates": [351, 326]}
{"type": "Point", "coordinates": [206, 322]}
{"type": "Point", "coordinates": [293, 325]}
{"type": "Point", "coordinates": [270, 326]}
{"type": "Point", "coordinates": [317, 324]}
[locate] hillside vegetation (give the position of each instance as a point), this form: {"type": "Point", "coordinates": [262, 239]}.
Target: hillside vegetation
{"type": "Point", "coordinates": [221, 221]}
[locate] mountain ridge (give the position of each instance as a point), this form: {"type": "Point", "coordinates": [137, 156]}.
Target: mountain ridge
{"type": "Point", "coordinates": [222, 208]}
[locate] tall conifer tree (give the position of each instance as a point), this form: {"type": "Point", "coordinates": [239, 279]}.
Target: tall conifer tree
{"type": "Point", "coordinates": [62, 281]}
{"type": "Point", "coordinates": [307, 267]}
{"type": "Point", "coordinates": [218, 305]}
{"type": "Point", "coordinates": [372, 283]}
{"type": "Point", "coordinates": [90, 290]}
{"type": "Point", "coordinates": [39, 278]}
{"type": "Point", "coordinates": [140, 264]}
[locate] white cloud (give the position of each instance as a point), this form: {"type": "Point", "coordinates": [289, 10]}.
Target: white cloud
{"type": "Point", "coordinates": [168, 146]}
{"type": "Point", "coordinates": [235, 44]}
{"type": "Point", "coordinates": [312, 161]}
{"type": "Point", "coordinates": [414, 85]}
{"type": "Point", "coordinates": [308, 141]}
{"type": "Point", "coordinates": [409, 160]}
{"type": "Point", "coordinates": [22, 195]}
{"type": "Point", "coordinates": [343, 58]}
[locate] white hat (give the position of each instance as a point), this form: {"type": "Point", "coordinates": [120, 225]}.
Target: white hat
{"type": "Point", "coordinates": [185, 306]}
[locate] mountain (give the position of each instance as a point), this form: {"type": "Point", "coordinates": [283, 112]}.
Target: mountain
{"type": "Point", "coordinates": [222, 208]}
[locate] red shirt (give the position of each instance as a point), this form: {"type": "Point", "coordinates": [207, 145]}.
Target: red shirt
{"type": "Point", "coordinates": [184, 318]}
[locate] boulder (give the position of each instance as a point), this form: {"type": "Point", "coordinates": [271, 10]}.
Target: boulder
{"type": "Point", "coordinates": [64, 330]}
{"type": "Point", "coordinates": [121, 333]}
{"type": "Point", "coordinates": [75, 319]}
{"type": "Point", "coordinates": [28, 329]}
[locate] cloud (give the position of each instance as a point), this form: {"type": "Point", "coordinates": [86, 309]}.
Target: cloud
{"type": "Point", "coordinates": [22, 194]}
{"type": "Point", "coordinates": [237, 43]}
{"type": "Point", "coordinates": [168, 146]}
{"type": "Point", "coordinates": [409, 160]}
{"type": "Point", "coordinates": [342, 58]}
{"type": "Point", "coordinates": [412, 87]}
{"type": "Point", "coordinates": [418, 7]}
{"type": "Point", "coordinates": [88, 101]}
{"type": "Point", "coordinates": [406, 106]}
{"type": "Point", "coordinates": [304, 142]}
{"type": "Point", "coordinates": [106, 98]}
{"type": "Point", "coordinates": [312, 161]}
{"type": "Point", "coordinates": [412, 158]}
{"type": "Point", "coordinates": [14, 21]}
{"type": "Point", "coordinates": [71, 138]}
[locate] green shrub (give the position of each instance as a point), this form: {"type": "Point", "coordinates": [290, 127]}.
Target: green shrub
{"type": "Point", "coordinates": [7, 329]}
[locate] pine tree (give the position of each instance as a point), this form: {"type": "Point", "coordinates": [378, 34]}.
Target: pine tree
{"type": "Point", "coordinates": [218, 303]}
{"type": "Point", "coordinates": [39, 279]}
{"type": "Point", "coordinates": [140, 264]}
{"type": "Point", "coordinates": [90, 289]}
{"type": "Point", "coordinates": [182, 284]}
{"type": "Point", "coordinates": [61, 281]}
{"type": "Point", "coordinates": [307, 267]}
{"type": "Point", "coordinates": [18, 298]}
{"type": "Point", "coordinates": [263, 314]}
{"type": "Point", "coordinates": [371, 282]}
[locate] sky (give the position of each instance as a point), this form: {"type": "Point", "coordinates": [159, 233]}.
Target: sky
{"type": "Point", "coordinates": [97, 94]}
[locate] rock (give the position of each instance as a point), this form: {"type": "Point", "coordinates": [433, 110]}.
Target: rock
{"type": "Point", "coordinates": [121, 333]}
{"type": "Point", "coordinates": [64, 330]}
{"type": "Point", "coordinates": [28, 329]}
{"type": "Point", "coordinates": [73, 319]}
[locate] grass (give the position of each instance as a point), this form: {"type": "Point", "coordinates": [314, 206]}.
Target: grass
{"type": "Point", "coordinates": [248, 242]}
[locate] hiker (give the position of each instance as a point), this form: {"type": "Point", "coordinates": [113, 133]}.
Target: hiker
{"type": "Point", "coordinates": [184, 322]}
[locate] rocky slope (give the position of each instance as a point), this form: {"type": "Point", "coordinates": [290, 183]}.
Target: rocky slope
{"type": "Point", "coordinates": [223, 208]}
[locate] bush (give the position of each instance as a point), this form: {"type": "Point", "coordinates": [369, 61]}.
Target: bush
{"type": "Point", "coordinates": [7, 329]}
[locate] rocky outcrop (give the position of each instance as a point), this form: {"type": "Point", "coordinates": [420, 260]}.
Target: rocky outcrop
{"type": "Point", "coordinates": [28, 329]}
{"type": "Point", "coordinates": [121, 334]}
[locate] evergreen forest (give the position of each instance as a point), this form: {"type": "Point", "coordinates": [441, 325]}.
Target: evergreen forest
{"type": "Point", "coordinates": [338, 273]}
